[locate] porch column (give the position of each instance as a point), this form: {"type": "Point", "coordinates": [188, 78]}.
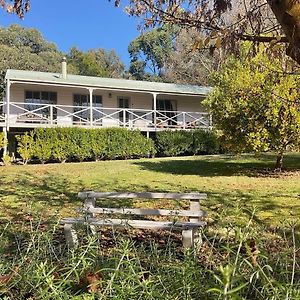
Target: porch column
{"type": "Point", "coordinates": [154, 108]}
{"type": "Point", "coordinates": [8, 84]}
{"type": "Point", "coordinates": [91, 106]}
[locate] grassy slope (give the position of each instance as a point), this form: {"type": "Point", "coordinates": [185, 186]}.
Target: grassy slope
{"type": "Point", "coordinates": [234, 185]}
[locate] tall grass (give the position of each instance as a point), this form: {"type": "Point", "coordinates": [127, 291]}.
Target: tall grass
{"type": "Point", "coordinates": [241, 263]}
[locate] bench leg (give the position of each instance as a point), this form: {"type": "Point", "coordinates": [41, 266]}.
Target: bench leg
{"type": "Point", "coordinates": [92, 230]}
{"type": "Point", "coordinates": [188, 238]}
{"type": "Point", "coordinates": [71, 236]}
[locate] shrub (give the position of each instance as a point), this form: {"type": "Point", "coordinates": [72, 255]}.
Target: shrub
{"type": "Point", "coordinates": [61, 145]}
{"type": "Point", "coordinates": [173, 143]}
{"type": "Point", "coordinates": [43, 143]}
{"type": "Point", "coordinates": [79, 139]}
{"type": "Point", "coordinates": [204, 142]}
{"type": "Point", "coordinates": [81, 144]}
{"type": "Point", "coordinates": [26, 146]}
{"type": "Point", "coordinates": [98, 143]}
{"type": "Point", "coordinates": [2, 140]}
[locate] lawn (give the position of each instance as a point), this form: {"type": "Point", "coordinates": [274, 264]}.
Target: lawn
{"type": "Point", "coordinates": [237, 186]}
{"type": "Point", "coordinates": [251, 243]}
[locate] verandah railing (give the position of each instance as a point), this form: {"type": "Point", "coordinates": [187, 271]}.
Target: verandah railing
{"type": "Point", "coordinates": [39, 115]}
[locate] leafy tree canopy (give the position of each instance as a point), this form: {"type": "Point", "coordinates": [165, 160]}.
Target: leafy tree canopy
{"type": "Point", "coordinates": [98, 62]}
{"type": "Point", "coordinates": [150, 51]}
{"type": "Point", "coordinates": [224, 22]}
{"type": "Point", "coordinates": [256, 105]}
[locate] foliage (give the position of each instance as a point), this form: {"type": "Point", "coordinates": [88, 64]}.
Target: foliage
{"type": "Point", "coordinates": [97, 62]}
{"type": "Point", "coordinates": [150, 51]}
{"type": "Point", "coordinates": [2, 140]}
{"type": "Point", "coordinates": [174, 143]}
{"type": "Point", "coordinates": [83, 144]}
{"type": "Point", "coordinates": [26, 146]}
{"type": "Point", "coordinates": [25, 49]}
{"type": "Point", "coordinates": [188, 65]}
{"type": "Point", "coordinates": [6, 159]}
{"type": "Point", "coordinates": [222, 24]}
{"type": "Point", "coordinates": [238, 265]}
{"type": "Point", "coordinates": [19, 7]}
{"type": "Point", "coordinates": [204, 141]}
{"type": "Point", "coordinates": [256, 105]}
{"type": "Point", "coordinates": [42, 144]}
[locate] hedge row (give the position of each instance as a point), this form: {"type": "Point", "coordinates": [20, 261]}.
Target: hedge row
{"type": "Point", "coordinates": [174, 143]}
{"type": "Point", "coordinates": [80, 144]}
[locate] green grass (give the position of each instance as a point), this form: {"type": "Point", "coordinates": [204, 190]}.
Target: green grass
{"type": "Point", "coordinates": [235, 185]}
{"type": "Point", "coordinates": [250, 247]}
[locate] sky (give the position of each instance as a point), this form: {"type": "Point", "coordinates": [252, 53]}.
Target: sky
{"type": "Point", "coordinates": [85, 24]}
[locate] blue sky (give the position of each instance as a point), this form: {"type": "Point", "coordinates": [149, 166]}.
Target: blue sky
{"type": "Point", "coordinates": [85, 24]}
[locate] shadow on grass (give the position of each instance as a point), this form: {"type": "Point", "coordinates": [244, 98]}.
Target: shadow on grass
{"type": "Point", "coordinates": [225, 165]}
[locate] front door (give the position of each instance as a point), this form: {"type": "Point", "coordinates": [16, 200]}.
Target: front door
{"type": "Point", "coordinates": [123, 103]}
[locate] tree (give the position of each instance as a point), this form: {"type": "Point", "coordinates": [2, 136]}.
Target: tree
{"type": "Point", "coordinates": [186, 66]}
{"type": "Point", "coordinates": [150, 51]}
{"type": "Point", "coordinates": [98, 62]}
{"type": "Point", "coordinates": [26, 49]}
{"type": "Point", "coordinates": [210, 15]}
{"type": "Point", "coordinates": [257, 20]}
{"type": "Point", "coordinates": [256, 105]}
{"type": "Point", "coordinates": [19, 7]}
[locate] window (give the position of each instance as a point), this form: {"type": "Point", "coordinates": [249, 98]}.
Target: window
{"type": "Point", "coordinates": [35, 100]}
{"type": "Point", "coordinates": [83, 101]}
{"type": "Point", "coordinates": [123, 103]}
{"type": "Point", "coordinates": [167, 108]}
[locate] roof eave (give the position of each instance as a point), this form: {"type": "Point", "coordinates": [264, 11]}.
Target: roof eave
{"type": "Point", "coordinates": [65, 83]}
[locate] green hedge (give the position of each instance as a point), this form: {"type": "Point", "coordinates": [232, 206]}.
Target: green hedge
{"type": "Point", "coordinates": [174, 143]}
{"type": "Point", "coordinates": [61, 144]}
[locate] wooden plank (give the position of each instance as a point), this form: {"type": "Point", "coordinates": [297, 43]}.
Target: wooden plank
{"type": "Point", "coordinates": [140, 224]}
{"type": "Point", "coordinates": [117, 195]}
{"type": "Point", "coordinates": [145, 212]}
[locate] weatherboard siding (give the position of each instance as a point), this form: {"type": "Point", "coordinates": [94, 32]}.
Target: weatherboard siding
{"type": "Point", "coordinates": [137, 100]}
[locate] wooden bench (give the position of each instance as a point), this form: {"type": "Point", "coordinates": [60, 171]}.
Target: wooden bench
{"type": "Point", "coordinates": [131, 217]}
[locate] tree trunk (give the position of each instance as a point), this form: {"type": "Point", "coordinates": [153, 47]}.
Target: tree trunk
{"type": "Point", "coordinates": [287, 13]}
{"type": "Point", "coordinates": [279, 161]}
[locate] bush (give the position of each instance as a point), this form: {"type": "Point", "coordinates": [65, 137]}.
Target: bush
{"type": "Point", "coordinates": [43, 144]}
{"type": "Point", "coordinates": [2, 140]}
{"type": "Point", "coordinates": [204, 142]}
{"type": "Point", "coordinates": [80, 144]}
{"type": "Point", "coordinates": [174, 143]}
{"type": "Point", "coordinates": [26, 146]}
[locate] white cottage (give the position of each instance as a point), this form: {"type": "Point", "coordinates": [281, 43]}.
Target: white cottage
{"type": "Point", "coordinates": [41, 99]}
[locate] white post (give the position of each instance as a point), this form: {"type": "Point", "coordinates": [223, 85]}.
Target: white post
{"type": "Point", "coordinates": [51, 114]}
{"type": "Point", "coordinates": [154, 108]}
{"type": "Point", "coordinates": [91, 106]}
{"type": "Point", "coordinates": [8, 83]}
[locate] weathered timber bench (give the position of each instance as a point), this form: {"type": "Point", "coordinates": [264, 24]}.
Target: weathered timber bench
{"type": "Point", "coordinates": [131, 217]}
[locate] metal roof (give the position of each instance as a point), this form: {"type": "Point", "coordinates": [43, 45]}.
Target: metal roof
{"type": "Point", "coordinates": [108, 83]}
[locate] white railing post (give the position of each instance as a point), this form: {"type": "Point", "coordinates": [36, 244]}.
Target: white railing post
{"type": "Point", "coordinates": [51, 114]}
{"type": "Point", "coordinates": [183, 120]}
{"type": "Point", "coordinates": [124, 117]}
{"type": "Point", "coordinates": [154, 109]}
{"type": "Point", "coordinates": [91, 105]}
